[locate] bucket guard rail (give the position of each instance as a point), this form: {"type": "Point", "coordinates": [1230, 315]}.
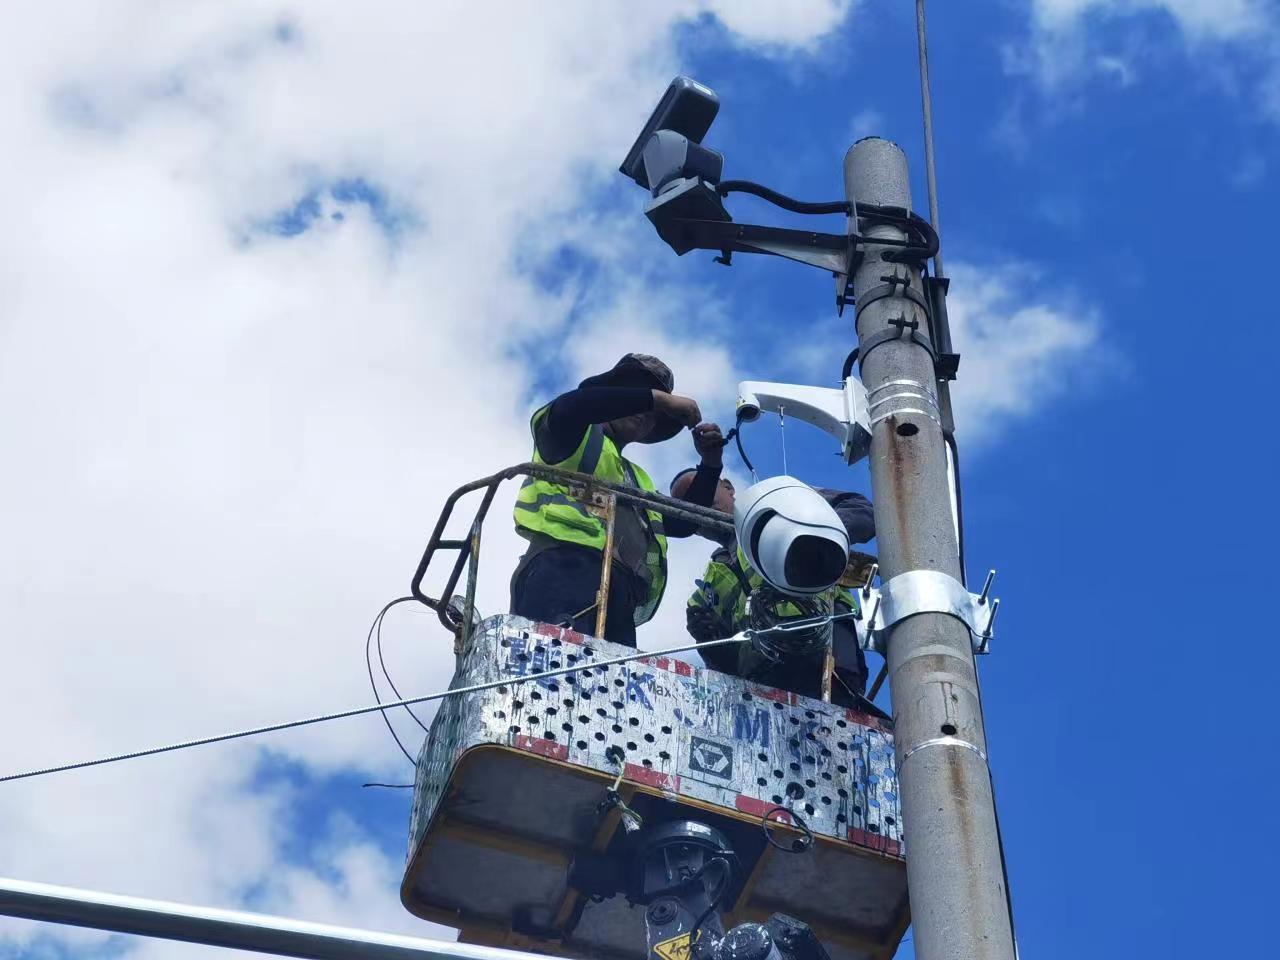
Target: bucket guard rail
{"type": "Point", "coordinates": [601, 498]}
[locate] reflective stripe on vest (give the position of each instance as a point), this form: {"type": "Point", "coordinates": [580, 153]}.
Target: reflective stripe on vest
{"type": "Point", "coordinates": [547, 508]}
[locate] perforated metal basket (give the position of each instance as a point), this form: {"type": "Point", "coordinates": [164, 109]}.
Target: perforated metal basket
{"type": "Point", "coordinates": [510, 781]}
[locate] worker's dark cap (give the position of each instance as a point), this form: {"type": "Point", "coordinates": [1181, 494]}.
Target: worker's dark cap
{"type": "Point", "coordinates": [642, 370]}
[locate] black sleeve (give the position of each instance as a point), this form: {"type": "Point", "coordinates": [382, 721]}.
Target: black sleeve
{"type": "Point", "coordinates": [572, 413]}
{"type": "Point", "coordinates": [702, 492]}
{"type": "Point", "coordinates": [855, 511]}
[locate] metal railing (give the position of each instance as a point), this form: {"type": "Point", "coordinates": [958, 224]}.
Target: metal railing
{"type": "Point", "coordinates": [600, 497]}
{"type": "Point", "coordinates": [233, 929]}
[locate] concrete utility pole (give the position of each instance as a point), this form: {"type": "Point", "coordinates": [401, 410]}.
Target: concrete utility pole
{"type": "Point", "coordinates": [955, 880]}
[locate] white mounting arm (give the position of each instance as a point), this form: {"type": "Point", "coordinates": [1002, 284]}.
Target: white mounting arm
{"type": "Point", "coordinates": [840, 413]}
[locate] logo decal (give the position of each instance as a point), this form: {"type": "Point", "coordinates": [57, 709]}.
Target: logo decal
{"type": "Point", "coordinates": [707, 756]}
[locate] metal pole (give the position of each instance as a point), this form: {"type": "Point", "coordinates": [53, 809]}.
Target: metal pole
{"type": "Point", "coordinates": [227, 928]}
{"type": "Point", "coordinates": [926, 100]}
{"type": "Point", "coordinates": [954, 877]}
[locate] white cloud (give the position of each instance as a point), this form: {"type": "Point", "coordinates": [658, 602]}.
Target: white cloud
{"type": "Point", "coordinates": [796, 24]}
{"type": "Point", "coordinates": [1069, 40]}
{"type": "Point", "coordinates": [866, 123]}
{"type": "Point", "coordinates": [1200, 19]}
{"type": "Point", "coordinates": [1021, 347]}
{"type": "Point", "coordinates": [227, 445]}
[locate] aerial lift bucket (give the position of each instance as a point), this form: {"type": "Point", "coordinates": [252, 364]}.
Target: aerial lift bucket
{"type": "Point", "coordinates": [508, 809]}
{"type": "Point", "coordinates": [509, 832]}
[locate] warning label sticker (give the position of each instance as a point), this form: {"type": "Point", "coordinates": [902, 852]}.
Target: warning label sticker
{"type": "Point", "coordinates": [677, 948]}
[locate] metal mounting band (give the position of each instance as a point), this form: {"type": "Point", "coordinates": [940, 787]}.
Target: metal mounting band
{"type": "Point", "coordinates": [914, 391]}
{"type": "Point", "coordinates": [927, 591]}
{"type": "Point", "coordinates": [924, 591]}
{"type": "Point", "coordinates": [893, 413]}
{"type": "Point", "coordinates": [942, 742]}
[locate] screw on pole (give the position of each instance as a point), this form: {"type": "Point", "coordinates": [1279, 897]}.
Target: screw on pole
{"type": "Point", "coordinates": [986, 589]}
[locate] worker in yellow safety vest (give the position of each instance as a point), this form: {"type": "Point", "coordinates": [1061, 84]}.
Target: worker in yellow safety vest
{"type": "Point", "coordinates": [718, 609]}
{"type": "Point", "coordinates": [586, 430]}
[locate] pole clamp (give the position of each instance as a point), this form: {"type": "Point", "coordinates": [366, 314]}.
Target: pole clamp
{"type": "Point", "coordinates": [900, 328]}
{"type": "Point", "coordinates": [926, 591]}
{"type": "Point", "coordinates": [895, 287]}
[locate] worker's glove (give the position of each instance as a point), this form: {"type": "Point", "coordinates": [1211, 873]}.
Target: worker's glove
{"type": "Point", "coordinates": [704, 624]}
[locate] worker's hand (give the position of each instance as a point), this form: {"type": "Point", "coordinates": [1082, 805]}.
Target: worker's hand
{"type": "Point", "coordinates": [677, 407]}
{"type": "Point", "coordinates": [704, 624]}
{"type": "Point", "coordinates": [709, 442]}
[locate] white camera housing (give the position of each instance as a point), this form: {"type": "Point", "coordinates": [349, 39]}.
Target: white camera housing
{"type": "Point", "coordinates": [791, 536]}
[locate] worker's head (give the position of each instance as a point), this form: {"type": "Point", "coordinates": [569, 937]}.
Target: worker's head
{"type": "Point", "coordinates": [724, 494]}
{"type": "Point", "coordinates": [639, 370]}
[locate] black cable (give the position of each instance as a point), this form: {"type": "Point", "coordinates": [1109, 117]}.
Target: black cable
{"type": "Point", "coordinates": [847, 370]}
{"type": "Point", "coordinates": [368, 662]}
{"type": "Point", "coordinates": [727, 187]}
{"type": "Point", "coordinates": [737, 435]}
{"type": "Point", "coordinates": [907, 220]}
{"type": "Point", "coordinates": [386, 673]}
{"type": "Point", "coordinates": [799, 844]}
{"type": "Point", "coordinates": [715, 900]}
{"type": "Point", "coordinates": [390, 786]}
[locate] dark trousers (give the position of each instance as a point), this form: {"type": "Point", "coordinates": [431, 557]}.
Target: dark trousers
{"type": "Point", "coordinates": [557, 584]}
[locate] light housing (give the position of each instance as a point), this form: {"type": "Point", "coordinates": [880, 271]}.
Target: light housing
{"type": "Point", "coordinates": [686, 108]}
{"type": "Point", "coordinates": [669, 161]}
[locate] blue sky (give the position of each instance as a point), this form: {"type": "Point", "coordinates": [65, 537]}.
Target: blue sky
{"type": "Point", "coordinates": [262, 320]}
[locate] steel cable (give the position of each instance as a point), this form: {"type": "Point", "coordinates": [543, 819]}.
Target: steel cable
{"type": "Point", "coordinates": [359, 711]}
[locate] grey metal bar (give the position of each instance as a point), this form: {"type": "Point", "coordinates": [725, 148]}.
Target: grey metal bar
{"type": "Point", "coordinates": [954, 874]}
{"type": "Point", "coordinates": [926, 102]}
{"type": "Point", "coordinates": [227, 928]}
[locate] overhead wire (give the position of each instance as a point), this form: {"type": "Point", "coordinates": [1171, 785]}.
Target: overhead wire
{"type": "Point", "coordinates": [360, 711]}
